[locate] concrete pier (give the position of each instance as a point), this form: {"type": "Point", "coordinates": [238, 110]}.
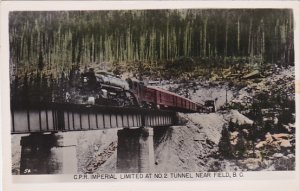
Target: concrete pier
{"type": "Point", "coordinates": [48, 154]}
{"type": "Point", "coordinates": [135, 150]}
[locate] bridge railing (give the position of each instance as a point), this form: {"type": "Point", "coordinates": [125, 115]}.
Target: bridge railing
{"type": "Point", "coordinates": [70, 117]}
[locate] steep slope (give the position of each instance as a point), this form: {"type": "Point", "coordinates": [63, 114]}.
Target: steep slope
{"type": "Point", "coordinates": [189, 147]}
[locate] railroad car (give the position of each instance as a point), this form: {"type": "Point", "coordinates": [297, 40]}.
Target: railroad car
{"type": "Point", "coordinates": [153, 97]}
{"type": "Point", "coordinates": [170, 100]}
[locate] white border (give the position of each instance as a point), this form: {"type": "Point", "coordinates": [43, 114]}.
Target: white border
{"type": "Point", "coordinates": [260, 180]}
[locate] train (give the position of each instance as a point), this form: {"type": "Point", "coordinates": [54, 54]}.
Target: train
{"type": "Point", "coordinates": [109, 89]}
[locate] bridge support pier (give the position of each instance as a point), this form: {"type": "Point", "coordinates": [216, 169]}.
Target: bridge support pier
{"type": "Point", "coordinates": [135, 150]}
{"type": "Point", "coordinates": [48, 154]}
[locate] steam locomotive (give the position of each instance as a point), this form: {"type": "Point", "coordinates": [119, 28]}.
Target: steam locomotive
{"type": "Point", "coordinates": [107, 89]}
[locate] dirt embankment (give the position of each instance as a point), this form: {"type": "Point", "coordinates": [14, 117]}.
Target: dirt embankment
{"type": "Point", "coordinates": [188, 147]}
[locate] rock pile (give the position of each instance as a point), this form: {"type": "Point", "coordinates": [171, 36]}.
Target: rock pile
{"type": "Point", "coordinates": [277, 151]}
{"type": "Point", "coordinates": [279, 82]}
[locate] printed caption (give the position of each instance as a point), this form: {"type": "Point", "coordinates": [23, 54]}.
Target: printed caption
{"type": "Point", "coordinates": [154, 176]}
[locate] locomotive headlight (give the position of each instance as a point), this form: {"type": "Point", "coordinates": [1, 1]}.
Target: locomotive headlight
{"type": "Point", "coordinates": [91, 100]}
{"type": "Point", "coordinates": [85, 79]}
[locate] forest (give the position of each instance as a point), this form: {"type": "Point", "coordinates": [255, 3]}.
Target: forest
{"type": "Point", "coordinates": [53, 41]}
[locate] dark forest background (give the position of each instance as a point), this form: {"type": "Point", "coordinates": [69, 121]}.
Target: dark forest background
{"type": "Point", "coordinates": [46, 47]}
{"type": "Point", "coordinates": [54, 41]}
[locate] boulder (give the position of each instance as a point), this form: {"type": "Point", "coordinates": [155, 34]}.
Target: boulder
{"type": "Point", "coordinates": [261, 144]}
{"type": "Point", "coordinates": [291, 156]}
{"type": "Point", "coordinates": [245, 131]}
{"type": "Point", "coordinates": [251, 164]}
{"type": "Point", "coordinates": [278, 155]}
{"type": "Point", "coordinates": [269, 138]}
{"type": "Point", "coordinates": [292, 125]}
{"type": "Point", "coordinates": [275, 120]}
{"type": "Point", "coordinates": [281, 136]}
{"type": "Point", "coordinates": [267, 162]}
{"type": "Point", "coordinates": [254, 166]}
{"type": "Point", "coordinates": [287, 128]}
{"type": "Point", "coordinates": [258, 154]}
{"type": "Point", "coordinates": [285, 144]}
{"type": "Point", "coordinates": [234, 137]}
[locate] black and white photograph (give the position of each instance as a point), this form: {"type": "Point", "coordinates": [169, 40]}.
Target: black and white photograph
{"type": "Point", "coordinates": [152, 94]}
